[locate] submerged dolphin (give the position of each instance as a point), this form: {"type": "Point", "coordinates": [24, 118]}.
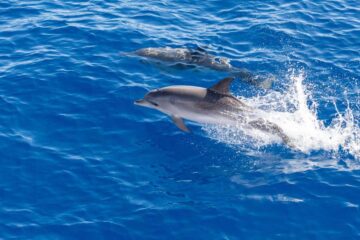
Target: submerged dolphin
{"type": "Point", "coordinates": [200, 57]}
{"type": "Point", "coordinates": [214, 105]}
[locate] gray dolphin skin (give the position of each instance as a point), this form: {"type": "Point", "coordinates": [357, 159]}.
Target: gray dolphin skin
{"type": "Point", "coordinates": [200, 57]}
{"type": "Point", "coordinates": [214, 105]}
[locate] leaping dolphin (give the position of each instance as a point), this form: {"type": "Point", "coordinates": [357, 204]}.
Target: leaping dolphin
{"type": "Point", "coordinates": [200, 57]}
{"type": "Point", "coordinates": [214, 105]}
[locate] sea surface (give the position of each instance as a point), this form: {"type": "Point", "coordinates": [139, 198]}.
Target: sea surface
{"type": "Point", "coordinates": [78, 160]}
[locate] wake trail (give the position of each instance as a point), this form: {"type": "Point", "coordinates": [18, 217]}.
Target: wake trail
{"type": "Point", "coordinates": [298, 119]}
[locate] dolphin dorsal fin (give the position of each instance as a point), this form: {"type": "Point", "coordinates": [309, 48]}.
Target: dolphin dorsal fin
{"type": "Point", "coordinates": [223, 85]}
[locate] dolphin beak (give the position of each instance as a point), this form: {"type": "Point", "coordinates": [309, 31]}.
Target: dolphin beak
{"type": "Point", "coordinates": [126, 54]}
{"type": "Point", "coordinates": [142, 102]}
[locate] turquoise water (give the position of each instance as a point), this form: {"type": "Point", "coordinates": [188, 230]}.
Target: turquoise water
{"type": "Point", "coordinates": [80, 161]}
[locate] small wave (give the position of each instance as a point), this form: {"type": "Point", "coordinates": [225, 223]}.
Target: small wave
{"type": "Point", "coordinates": [295, 112]}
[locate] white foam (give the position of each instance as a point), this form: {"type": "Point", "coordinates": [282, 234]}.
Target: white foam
{"type": "Point", "coordinates": [294, 111]}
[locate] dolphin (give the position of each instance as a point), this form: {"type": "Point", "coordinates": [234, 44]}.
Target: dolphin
{"type": "Point", "coordinates": [200, 57]}
{"type": "Point", "coordinates": [214, 105]}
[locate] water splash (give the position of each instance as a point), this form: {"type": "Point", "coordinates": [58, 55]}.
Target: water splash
{"type": "Point", "coordinates": [295, 112]}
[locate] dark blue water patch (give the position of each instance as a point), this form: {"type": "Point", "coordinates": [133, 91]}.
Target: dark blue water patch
{"type": "Point", "coordinates": [19, 12]}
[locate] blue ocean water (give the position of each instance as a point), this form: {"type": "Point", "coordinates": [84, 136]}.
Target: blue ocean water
{"type": "Point", "coordinates": [80, 161]}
